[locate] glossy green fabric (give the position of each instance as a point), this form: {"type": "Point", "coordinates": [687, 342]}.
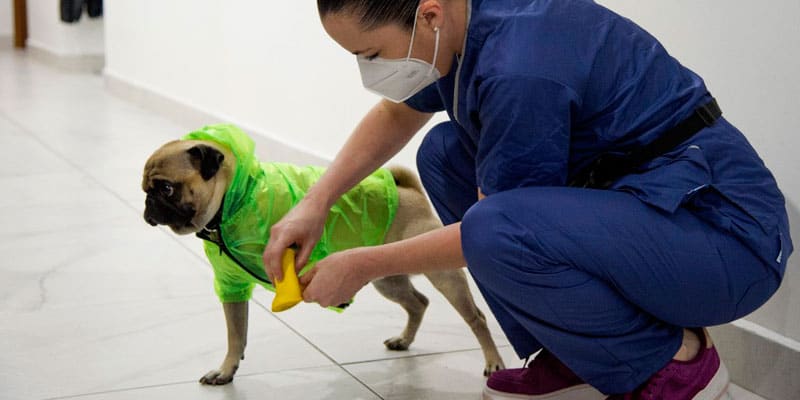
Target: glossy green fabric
{"type": "Point", "coordinates": [260, 194]}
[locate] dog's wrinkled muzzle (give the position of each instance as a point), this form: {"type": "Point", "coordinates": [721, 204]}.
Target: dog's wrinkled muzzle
{"type": "Point", "coordinates": [160, 211]}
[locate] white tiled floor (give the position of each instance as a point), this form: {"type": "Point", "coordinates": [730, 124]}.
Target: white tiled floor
{"type": "Point", "coordinates": [96, 304]}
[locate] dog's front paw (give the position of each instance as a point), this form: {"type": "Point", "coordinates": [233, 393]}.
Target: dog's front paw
{"type": "Point", "coordinates": [493, 366]}
{"type": "Point", "coordinates": [222, 376]}
{"type": "Point", "coordinates": [398, 343]}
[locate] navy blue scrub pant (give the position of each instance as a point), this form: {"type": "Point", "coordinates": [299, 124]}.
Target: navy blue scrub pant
{"type": "Point", "coordinates": [599, 278]}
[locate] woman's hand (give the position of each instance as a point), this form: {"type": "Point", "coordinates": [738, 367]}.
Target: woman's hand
{"type": "Point", "coordinates": [301, 227]}
{"type": "Point", "coordinates": [380, 135]}
{"type": "Point", "coordinates": [335, 279]}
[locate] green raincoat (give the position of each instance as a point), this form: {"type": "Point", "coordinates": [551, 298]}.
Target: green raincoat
{"type": "Point", "coordinates": [260, 194]}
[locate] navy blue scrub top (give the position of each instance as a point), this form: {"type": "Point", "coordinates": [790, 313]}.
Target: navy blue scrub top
{"type": "Point", "coordinates": [543, 87]}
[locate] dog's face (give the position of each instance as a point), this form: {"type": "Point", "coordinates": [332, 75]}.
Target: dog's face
{"type": "Point", "coordinates": [185, 181]}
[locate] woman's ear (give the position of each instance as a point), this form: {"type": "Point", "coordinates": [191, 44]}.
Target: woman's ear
{"type": "Point", "coordinates": [430, 12]}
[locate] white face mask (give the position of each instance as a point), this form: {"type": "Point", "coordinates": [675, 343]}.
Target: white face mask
{"type": "Point", "coordinates": [398, 80]}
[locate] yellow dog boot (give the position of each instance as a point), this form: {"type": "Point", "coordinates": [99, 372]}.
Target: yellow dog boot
{"type": "Point", "coordinates": [287, 291]}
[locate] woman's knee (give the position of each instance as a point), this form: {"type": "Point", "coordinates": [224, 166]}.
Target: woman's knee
{"type": "Point", "coordinates": [477, 237]}
{"type": "Point", "coordinates": [447, 172]}
{"type": "Point", "coordinates": [497, 238]}
{"type": "Point", "coordinates": [432, 157]}
{"type": "Point", "coordinates": [490, 239]}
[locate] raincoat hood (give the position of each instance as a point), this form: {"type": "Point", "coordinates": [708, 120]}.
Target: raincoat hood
{"type": "Point", "coordinates": [260, 194]}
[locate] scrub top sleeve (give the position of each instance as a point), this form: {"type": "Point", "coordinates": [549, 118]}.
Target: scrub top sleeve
{"type": "Point", "coordinates": [428, 100]}
{"type": "Point", "coordinates": [524, 133]}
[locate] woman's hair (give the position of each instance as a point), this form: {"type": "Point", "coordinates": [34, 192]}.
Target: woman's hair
{"type": "Point", "coordinates": [374, 13]}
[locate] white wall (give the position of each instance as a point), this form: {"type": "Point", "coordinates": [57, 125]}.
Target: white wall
{"type": "Point", "coordinates": [270, 66]}
{"type": "Point", "coordinates": [263, 64]}
{"type": "Point", "coordinates": [6, 18]}
{"type": "Point", "coordinates": [47, 32]}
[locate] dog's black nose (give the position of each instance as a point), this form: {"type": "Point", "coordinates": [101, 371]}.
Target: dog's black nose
{"type": "Point", "coordinates": [148, 212]}
{"type": "Point", "coordinates": [149, 207]}
{"type": "Point", "coordinates": [150, 220]}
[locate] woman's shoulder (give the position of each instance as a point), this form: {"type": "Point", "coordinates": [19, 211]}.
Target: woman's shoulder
{"type": "Point", "coordinates": [556, 40]}
{"type": "Point", "coordinates": [560, 18]}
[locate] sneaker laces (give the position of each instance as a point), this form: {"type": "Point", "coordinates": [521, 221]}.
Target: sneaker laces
{"type": "Point", "coordinates": [528, 366]}
{"type": "Point", "coordinates": [648, 391]}
{"type": "Point", "coordinates": [547, 363]}
{"type": "Point", "coordinates": [651, 388]}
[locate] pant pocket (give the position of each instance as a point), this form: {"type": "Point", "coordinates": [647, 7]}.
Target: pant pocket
{"type": "Point", "coordinates": [669, 180]}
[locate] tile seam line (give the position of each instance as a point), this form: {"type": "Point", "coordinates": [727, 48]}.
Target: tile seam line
{"type": "Point", "coordinates": [81, 170]}
{"type": "Point", "coordinates": [87, 174]}
{"type": "Point", "coordinates": [176, 383]}
{"type": "Point", "coordinates": [438, 353]}
{"type": "Point", "coordinates": [125, 203]}
{"type": "Point", "coordinates": [318, 349]}
{"type": "Point", "coordinates": [61, 156]}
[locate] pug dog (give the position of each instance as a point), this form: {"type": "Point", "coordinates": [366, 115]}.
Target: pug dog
{"type": "Point", "coordinates": [186, 181]}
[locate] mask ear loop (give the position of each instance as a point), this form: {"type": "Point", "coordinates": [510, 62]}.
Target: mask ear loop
{"type": "Point", "coordinates": [413, 33]}
{"type": "Point", "coordinates": [435, 50]}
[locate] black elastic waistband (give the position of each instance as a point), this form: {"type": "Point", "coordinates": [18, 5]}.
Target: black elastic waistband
{"type": "Point", "coordinates": [609, 167]}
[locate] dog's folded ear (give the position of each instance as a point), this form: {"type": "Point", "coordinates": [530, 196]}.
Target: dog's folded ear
{"type": "Point", "coordinates": [206, 159]}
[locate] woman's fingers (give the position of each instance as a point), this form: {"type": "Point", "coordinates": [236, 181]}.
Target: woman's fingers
{"type": "Point", "coordinates": [307, 277]}
{"type": "Point", "coordinates": [301, 227]}
{"type": "Point", "coordinates": [334, 280]}
{"type": "Point", "coordinates": [273, 253]}
{"type": "Point", "coordinates": [303, 254]}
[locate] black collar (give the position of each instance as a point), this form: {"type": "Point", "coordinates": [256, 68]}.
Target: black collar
{"type": "Point", "coordinates": [210, 232]}
{"type": "Point", "coordinates": [213, 225]}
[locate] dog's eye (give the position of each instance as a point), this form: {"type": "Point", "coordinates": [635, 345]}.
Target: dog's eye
{"type": "Point", "coordinates": [167, 190]}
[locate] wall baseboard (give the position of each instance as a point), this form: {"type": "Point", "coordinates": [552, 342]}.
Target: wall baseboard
{"type": "Point", "coordinates": [87, 63]}
{"type": "Point", "coordinates": [6, 42]}
{"type": "Point", "coordinates": [268, 147]}
{"type": "Point", "coordinates": [759, 360]}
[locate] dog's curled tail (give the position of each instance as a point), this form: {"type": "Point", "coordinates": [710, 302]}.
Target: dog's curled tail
{"type": "Point", "coordinates": [404, 177]}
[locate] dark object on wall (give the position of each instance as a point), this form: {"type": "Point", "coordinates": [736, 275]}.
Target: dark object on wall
{"type": "Point", "coordinates": [94, 8]}
{"type": "Point", "coordinates": [71, 10]}
{"type": "Point", "coordinates": [20, 23]}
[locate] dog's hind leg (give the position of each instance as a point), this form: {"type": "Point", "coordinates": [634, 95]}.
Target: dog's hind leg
{"type": "Point", "coordinates": [399, 290]}
{"type": "Point", "coordinates": [236, 321]}
{"type": "Point", "coordinates": [453, 285]}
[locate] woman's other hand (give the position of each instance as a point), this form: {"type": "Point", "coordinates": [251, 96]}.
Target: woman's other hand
{"type": "Point", "coordinates": [302, 228]}
{"type": "Point", "coordinates": [335, 279]}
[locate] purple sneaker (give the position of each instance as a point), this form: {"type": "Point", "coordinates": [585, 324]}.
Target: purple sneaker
{"type": "Point", "coordinates": [545, 378]}
{"type": "Point", "coordinates": [703, 378]}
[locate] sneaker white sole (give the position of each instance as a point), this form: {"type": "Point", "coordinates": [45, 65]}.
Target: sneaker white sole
{"type": "Point", "coordinates": [580, 392]}
{"type": "Point", "coordinates": [717, 388]}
